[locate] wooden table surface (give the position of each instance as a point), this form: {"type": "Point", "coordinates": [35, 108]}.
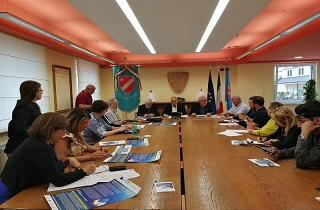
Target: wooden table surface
{"type": "Point", "coordinates": [220, 176]}
{"type": "Point", "coordinates": [165, 138]}
{"type": "Point", "coordinates": [216, 175]}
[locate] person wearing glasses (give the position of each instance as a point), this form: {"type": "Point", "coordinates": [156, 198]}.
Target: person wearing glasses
{"type": "Point", "coordinates": [148, 109]}
{"type": "Point", "coordinates": [201, 108]}
{"type": "Point", "coordinates": [35, 162]}
{"type": "Point", "coordinates": [23, 114]}
{"type": "Point", "coordinates": [239, 107]}
{"type": "Point", "coordinates": [174, 107]}
{"type": "Point", "coordinates": [73, 144]}
{"type": "Point", "coordinates": [307, 150]}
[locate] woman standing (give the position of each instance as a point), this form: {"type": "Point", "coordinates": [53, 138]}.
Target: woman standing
{"type": "Point", "coordinates": [73, 143]}
{"type": "Point", "coordinates": [24, 113]}
{"type": "Point", "coordinates": [35, 162]}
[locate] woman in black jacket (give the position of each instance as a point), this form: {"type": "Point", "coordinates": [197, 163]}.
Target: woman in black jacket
{"type": "Point", "coordinates": [35, 162]}
{"type": "Point", "coordinates": [24, 113]}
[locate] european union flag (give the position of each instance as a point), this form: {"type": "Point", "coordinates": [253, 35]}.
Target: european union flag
{"type": "Point", "coordinates": [210, 94]}
{"type": "Point", "coordinates": [228, 90]}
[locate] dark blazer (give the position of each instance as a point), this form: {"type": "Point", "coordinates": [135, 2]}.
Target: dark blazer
{"type": "Point", "coordinates": [143, 110]}
{"type": "Point", "coordinates": [168, 109]}
{"type": "Point", "coordinates": [23, 116]}
{"type": "Point", "coordinates": [196, 108]}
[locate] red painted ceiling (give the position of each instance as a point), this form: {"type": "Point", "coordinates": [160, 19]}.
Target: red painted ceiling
{"type": "Point", "coordinates": [59, 17]}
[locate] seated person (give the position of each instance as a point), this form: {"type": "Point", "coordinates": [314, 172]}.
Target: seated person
{"type": "Point", "coordinates": [98, 128]}
{"type": "Point", "coordinates": [286, 120]}
{"type": "Point", "coordinates": [201, 108]}
{"type": "Point", "coordinates": [261, 116]}
{"type": "Point", "coordinates": [112, 116]}
{"type": "Point", "coordinates": [270, 128]}
{"type": "Point", "coordinates": [239, 107]}
{"type": "Point", "coordinates": [173, 107]}
{"type": "Point", "coordinates": [307, 150]}
{"type": "Point", "coordinates": [73, 143]}
{"type": "Point", "coordinates": [148, 109]}
{"type": "Point", "coordinates": [35, 162]}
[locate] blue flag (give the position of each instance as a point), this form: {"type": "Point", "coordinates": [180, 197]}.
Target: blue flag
{"type": "Point", "coordinates": [210, 93]}
{"type": "Point", "coordinates": [228, 90]}
{"type": "Point", "coordinates": [127, 87]}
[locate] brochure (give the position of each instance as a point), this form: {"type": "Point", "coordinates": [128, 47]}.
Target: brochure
{"type": "Point", "coordinates": [164, 187]}
{"type": "Point", "coordinates": [264, 162]}
{"type": "Point", "coordinates": [94, 196]}
{"type": "Point", "coordinates": [134, 158]}
{"type": "Point", "coordinates": [111, 143]}
{"type": "Point", "coordinates": [144, 142]}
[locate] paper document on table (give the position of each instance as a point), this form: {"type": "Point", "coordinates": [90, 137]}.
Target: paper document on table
{"type": "Point", "coordinates": [264, 162]}
{"type": "Point", "coordinates": [111, 143]}
{"type": "Point", "coordinates": [122, 150]}
{"type": "Point", "coordinates": [215, 116]}
{"type": "Point", "coordinates": [229, 124]}
{"type": "Point", "coordinates": [184, 116]}
{"type": "Point", "coordinates": [237, 131]}
{"type": "Point", "coordinates": [229, 133]}
{"type": "Point", "coordinates": [201, 115]}
{"type": "Point", "coordinates": [105, 176]}
{"type": "Point", "coordinates": [164, 187]}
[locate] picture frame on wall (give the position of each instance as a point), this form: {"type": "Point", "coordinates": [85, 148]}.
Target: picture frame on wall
{"type": "Point", "coordinates": [62, 86]}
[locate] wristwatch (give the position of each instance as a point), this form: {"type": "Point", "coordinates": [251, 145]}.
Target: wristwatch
{"type": "Point", "coordinates": [300, 137]}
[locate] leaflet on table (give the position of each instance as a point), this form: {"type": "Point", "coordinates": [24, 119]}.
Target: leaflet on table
{"type": "Point", "coordinates": [134, 158]}
{"type": "Point", "coordinates": [105, 176]}
{"type": "Point", "coordinates": [264, 162]}
{"type": "Point", "coordinates": [111, 143]}
{"type": "Point", "coordinates": [122, 150]}
{"type": "Point", "coordinates": [144, 142]}
{"type": "Point", "coordinates": [237, 131]}
{"type": "Point", "coordinates": [164, 187]}
{"type": "Point", "coordinates": [118, 189]}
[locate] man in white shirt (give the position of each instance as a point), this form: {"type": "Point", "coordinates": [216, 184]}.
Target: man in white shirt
{"type": "Point", "coordinates": [112, 116]}
{"type": "Point", "coordinates": [239, 107]}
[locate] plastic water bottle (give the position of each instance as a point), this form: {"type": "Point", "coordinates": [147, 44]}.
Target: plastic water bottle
{"type": "Point", "coordinates": [134, 129]}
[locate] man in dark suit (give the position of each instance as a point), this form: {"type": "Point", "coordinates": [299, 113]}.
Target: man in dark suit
{"type": "Point", "coordinates": [201, 108]}
{"type": "Point", "coordinates": [148, 109]}
{"type": "Point", "coordinates": [174, 107]}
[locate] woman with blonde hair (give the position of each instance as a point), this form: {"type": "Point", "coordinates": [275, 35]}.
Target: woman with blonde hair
{"type": "Point", "coordinates": [286, 120]}
{"type": "Point", "coordinates": [73, 143]}
{"type": "Point", "coordinates": [271, 128]}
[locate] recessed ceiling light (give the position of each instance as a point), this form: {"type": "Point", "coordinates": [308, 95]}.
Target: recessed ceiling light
{"type": "Point", "coordinates": [238, 35]}
{"type": "Point", "coordinates": [297, 57]}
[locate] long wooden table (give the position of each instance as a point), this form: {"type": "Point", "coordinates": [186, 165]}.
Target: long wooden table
{"type": "Point", "coordinates": [220, 176]}
{"type": "Point", "coordinates": [215, 174]}
{"type": "Point", "coordinates": [165, 138]}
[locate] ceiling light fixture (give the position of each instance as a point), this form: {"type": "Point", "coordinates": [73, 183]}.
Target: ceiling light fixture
{"type": "Point", "coordinates": [31, 27]}
{"type": "Point", "coordinates": [282, 34]}
{"type": "Point", "coordinates": [126, 9]}
{"type": "Point", "coordinates": [212, 23]}
{"type": "Point", "coordinates": [298, 57]}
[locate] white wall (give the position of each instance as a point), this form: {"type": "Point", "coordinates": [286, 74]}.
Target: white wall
{"type": "Point", "coordinates": [19, 61]}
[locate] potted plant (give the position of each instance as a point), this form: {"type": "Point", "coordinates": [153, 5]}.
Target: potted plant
{"type": "Point", "coordinates": [310, 93]}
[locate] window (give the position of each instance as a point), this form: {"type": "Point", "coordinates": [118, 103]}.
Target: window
{"type": "Point", "coordinates": [290, 80]}
{"type": "Point", "coordinates": [301, 71]}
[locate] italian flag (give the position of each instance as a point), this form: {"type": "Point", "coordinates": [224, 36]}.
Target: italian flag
{"type": "Point", "coordinates": [219, 99]}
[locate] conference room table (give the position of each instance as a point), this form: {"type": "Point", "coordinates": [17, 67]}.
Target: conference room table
{"type": "Point", "coordinates": [207, 173]}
